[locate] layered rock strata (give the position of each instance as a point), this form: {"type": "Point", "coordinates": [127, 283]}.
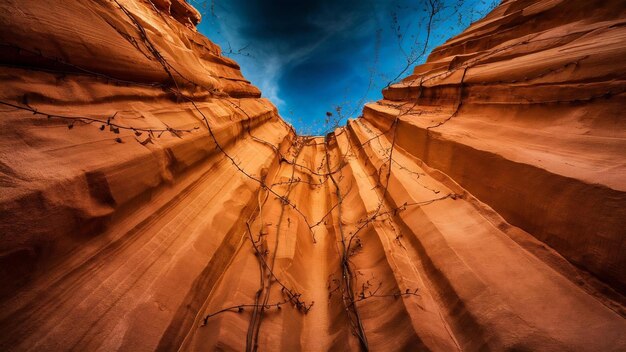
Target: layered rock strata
{"type": "Point", "coordinates": [152, 200]}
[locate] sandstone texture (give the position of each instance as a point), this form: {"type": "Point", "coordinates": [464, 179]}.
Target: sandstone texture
{"type": "Point", "coordinates": [151, 199]}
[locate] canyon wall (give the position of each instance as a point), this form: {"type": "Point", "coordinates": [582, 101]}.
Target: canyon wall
{"type": "Point", "coordinates": [152, 200]}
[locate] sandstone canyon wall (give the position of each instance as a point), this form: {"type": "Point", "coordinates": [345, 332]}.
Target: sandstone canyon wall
{"type": "Point", "coordinates": [152, 200]}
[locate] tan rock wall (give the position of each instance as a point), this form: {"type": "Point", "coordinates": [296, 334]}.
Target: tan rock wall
{"type": "Point", "coordinates": [152, 200]}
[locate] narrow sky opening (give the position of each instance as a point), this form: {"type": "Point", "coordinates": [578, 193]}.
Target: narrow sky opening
{"type": "Point", "coordinates": [320, 61]}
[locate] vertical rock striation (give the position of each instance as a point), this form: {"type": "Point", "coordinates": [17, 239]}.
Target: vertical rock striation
{"type": "Point", "coordinates": [152, 200]}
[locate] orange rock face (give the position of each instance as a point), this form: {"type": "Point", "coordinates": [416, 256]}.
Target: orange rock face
{"type": "Point", "coordinates": [152, 200]}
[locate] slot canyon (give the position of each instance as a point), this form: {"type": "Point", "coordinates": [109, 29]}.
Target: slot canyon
{"type": "Point", "coordinates": [151, 199]}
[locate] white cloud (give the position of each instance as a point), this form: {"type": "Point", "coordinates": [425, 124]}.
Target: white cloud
{"type": "Point", "coordinates": [268, 78]}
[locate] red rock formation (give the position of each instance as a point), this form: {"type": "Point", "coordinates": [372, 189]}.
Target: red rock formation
{"type": "Point", "coordinates": [146, 187]}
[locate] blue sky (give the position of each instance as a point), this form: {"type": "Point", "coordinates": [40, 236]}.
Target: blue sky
{"type": "Point", "coordinates": [311, 57]}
